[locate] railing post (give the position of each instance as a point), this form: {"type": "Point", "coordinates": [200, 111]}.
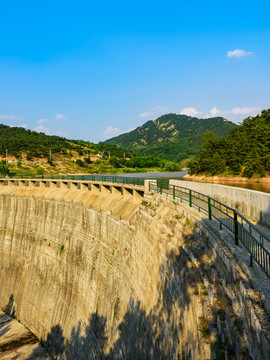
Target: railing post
{"type": "Point", "coordinates": [174, 192]}
{"type": "Point", "coordinates": [190, 199]}
{"type": "Point", "coordinates": [209, 208]}
{"type": "Point", "coordinates": [235, 228]}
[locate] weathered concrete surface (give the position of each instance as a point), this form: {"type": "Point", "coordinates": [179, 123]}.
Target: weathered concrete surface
{"type": "Point", "coordinates": [97, 285]}
{"type": "Point", "coordinates": [114, 204]}
{"type": "Point", "coordinates": [254, 205]}
{"type": "Point", "coordinates": [16, 342]}
{"type": "Point", "coordinates": [93, 286]}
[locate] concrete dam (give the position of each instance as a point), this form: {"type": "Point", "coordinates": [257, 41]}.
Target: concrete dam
{"type": "Point", "coordinates": [100, 270]}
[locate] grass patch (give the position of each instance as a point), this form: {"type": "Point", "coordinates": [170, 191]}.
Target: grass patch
{"type": "Point", "coordinates": [148, 204]}
{"type": "Point", "coordinates": [203, 327]}
{"type": "Point", "coordinates": [204, 290]}
{"type": "Point", "coordinates": [188, 223]}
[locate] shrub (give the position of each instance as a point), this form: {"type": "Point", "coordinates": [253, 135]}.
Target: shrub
{"type": "Point", "coordinates": [203, 327]}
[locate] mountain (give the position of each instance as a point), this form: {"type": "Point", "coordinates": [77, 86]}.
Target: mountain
{"type": "Point", "coordinates": [171, 136]}
{"type": "Point", "coordinates": [30, 145]}
{"type": "Point", "coordinates": [24, 151]}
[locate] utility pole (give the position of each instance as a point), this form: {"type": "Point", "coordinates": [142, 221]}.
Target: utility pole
{"type": "Point", "coordinates": [109, 153]}
{"type": "Point", "coordinates": [6, 156]}
{"type": "Point", "coordinates": [50, 155]}
{"type": "Point", "coordinates": [16, 163]}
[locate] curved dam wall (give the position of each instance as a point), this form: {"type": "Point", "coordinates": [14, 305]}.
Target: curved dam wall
{"type": "Point", "coordinates": [99, 276]}
{"type": "Point", "coordinates": [255, 205]}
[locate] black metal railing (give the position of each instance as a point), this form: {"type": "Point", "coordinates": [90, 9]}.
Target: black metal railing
{"type": "Point", "coordinates": [243, 231]}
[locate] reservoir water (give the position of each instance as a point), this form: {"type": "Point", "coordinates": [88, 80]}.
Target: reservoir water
{"type": "Point", "coordinates": [264, 187]}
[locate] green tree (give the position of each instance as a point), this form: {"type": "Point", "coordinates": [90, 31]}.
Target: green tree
{"type": "Point", "coordinates": [245, 151]}
{"type": "Point", "coordinates": [3, 169]}
{"type": "Point", "coordinates": [40, 171]}
{"type": "Point", "coordinates": [80, 163]}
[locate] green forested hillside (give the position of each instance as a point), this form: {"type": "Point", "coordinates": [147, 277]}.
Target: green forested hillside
{"type": "Point", "coordinates": [245, 151]}
{"type": "Point", "coordinates": [172, 137]}
{"type": "Point", "coordinates": [30, 151]}
{"type": "Point", "coordinates": [21, 142]}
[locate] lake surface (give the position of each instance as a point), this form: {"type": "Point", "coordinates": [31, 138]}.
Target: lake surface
{"type": "Point", "coordinates": [264, 187]}
{"type": "Point", "coordinates": [158, 175]}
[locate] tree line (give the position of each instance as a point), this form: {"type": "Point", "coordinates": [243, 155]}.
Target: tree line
{"type": "Point", "coordinates": [34, 145]}
{"type": "Point", "coordinates": [18, 141]}
{"type": "Point", "coordinates": [245, 151]}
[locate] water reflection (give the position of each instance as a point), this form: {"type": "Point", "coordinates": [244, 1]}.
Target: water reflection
{"type": "Point", "coordinates": [179, 175]}
{"type": "Point", "coordinates": [264, 187]}
{"type": "Point", "coordinates": [158, 175]}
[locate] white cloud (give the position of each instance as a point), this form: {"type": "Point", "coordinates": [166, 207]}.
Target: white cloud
{"type": "Point", "coordinates": [111, 131]}
{"type": "Point", "coordinates": [244, 111]}
{"type": "Point", "coordinates": [154, 112]}
{"type": "Point", "coordinates": [190, 111]}
{"type": "Point", "coordinates": [61, 133]}
{"type": "Point", "coordinates": [238, 53]}
{"type": "Point", "coordinates": [42, 121]}
{"type": "Point", "coordinates": [60, 117]}
{"type": "Point", "coordinates": [145, 114]}
{"type": "Point", "coordinates": [10, 117]}
{"type": "Point", "coordinates": [42, 128]}
{"type": "Point", "coordinates": [214, 111]}
{"type": "Point", "coordinates": [23, 126]}
{"type": "Point", "coordinates": [235, 113]}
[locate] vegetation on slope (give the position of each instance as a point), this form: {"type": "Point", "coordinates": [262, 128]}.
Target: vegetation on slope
{"type": "Point", "coordinates": [32, 152]}
{"type": "Point", "coordinates": [245, 151]}
{"type": "Point", "coordinates": [27, 144]}
{"type": "Point", "coordinates": [172, 137]}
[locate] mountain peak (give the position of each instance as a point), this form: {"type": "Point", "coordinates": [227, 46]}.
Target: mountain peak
{"type": "Point", "coordinates": [172, 136]}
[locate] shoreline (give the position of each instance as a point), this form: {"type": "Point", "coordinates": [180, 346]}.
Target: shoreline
{"type": "Point", "coordinates": [223, 178]}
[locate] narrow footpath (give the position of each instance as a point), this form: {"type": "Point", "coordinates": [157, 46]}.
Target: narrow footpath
{"type": "Point", "coordinates": [16, 342]}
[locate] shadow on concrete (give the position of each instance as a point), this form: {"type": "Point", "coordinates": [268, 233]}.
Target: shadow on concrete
{"type": "Point", "coordinates": [4, 318]}
{"type": "Point", "coordinates": [10, 308]}
{"type": "Point", "coordinates": [4, 327]}
{"type": "Point", "coordinates": [54, 343]}
{"type": "Point", "coordinates": [158, 334]}
{"type": "Point", "coordinates": [144, 336]}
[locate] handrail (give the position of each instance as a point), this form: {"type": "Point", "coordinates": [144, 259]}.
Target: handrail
{"type": "Point", "coordinates": [251, 238]}
{"type": "Point", "coordinates": [243, 230]}
{"type": "Point", "coordinates": [99, 178]}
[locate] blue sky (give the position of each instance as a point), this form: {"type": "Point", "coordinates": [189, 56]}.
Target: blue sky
{"type": "Point", "coordinates": [90, 70]}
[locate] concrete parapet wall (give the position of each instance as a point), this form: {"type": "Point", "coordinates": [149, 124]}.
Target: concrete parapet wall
{"type": "Point", "coordinates": [126, 190]}
{"type": "Point", "coordinates": [254, 205]}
